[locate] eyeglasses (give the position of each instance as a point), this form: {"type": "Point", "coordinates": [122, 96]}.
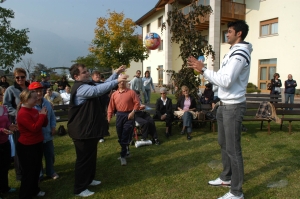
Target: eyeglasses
{"type": "Point", "coordinates": [20, 77]}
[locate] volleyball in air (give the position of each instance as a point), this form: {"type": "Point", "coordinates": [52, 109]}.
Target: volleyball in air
{"type": "Point", "coordinates": [152, 41]}
{"type": "Point", "coordinates": [200, 58]}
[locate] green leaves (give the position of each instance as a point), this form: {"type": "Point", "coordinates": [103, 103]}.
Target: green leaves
{"type": "Point", "coordinates": [115, 42]}
{"type": "Point", "coordinates": [191, 42]}
{"type": "Point", "coordinates": [13, 43]}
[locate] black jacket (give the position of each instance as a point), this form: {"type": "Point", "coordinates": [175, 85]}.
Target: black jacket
{"type": "Point", "coordinates": [275, 84]}
{"type": "Point", "coordinates": [290, 86]}
{"type": "Point", "coordinates": [180, 102]}
{"type": "Point", "coordinates": [85, 120]}
{"type": "Point", "coordinates": [159, 107]}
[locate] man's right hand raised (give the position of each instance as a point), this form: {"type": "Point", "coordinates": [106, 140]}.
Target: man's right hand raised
{"type": "Point", "coordinates": [122, 78]}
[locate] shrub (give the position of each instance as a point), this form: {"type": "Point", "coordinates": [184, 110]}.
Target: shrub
{"type": "Point", "coordinates": [251, 88]}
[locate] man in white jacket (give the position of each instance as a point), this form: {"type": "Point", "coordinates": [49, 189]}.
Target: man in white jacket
{"type": "Point", "coordinates": [232, 80]}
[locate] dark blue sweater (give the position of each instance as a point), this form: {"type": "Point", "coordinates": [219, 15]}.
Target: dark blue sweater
{"type": "Point", "coordinates": [290, 86]}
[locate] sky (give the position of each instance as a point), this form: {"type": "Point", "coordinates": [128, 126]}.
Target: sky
{"type": "Point", "coordinates": [72, 19]}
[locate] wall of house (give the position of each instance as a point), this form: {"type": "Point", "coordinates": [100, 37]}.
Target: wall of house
{"type": "Point", "coordinates": [156, 57]}
{"type": "Point", "coordinates": [285, 46]}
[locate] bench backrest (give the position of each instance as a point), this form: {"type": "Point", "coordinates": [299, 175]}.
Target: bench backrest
{"type": "Point", "coordinates": [257, 98]}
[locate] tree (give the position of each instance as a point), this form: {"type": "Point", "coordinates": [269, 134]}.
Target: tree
{"type": "Point", "coordinates": [190, 42]}
{"type": "Point", "coordinates": [92, 63]}
{"type": "Point", "coordinates": [115, 42]}
{"type": "Point", "coordinates": [13, 43]}
{"type": "Point", "coordinates": [28, 65]}
{"type": "Point", "coordinates": [42, 70]}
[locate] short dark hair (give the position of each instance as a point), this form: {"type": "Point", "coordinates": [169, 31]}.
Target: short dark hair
{"type": "Point", "coordinates": [239, 25]}
{"type": "Point", "coordinates": [276, 74]}
{"type": "Point", "coordinates": [3, 76]}
{"type": "Point", "coordinates": [147, 72]}
{"type": "Point", "coordinates": [95, 72]}
{"type": "Point", "coordinates": [74, 70]}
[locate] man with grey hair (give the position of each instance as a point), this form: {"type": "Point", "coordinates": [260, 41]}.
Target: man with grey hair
{"type": "Point", "coordinates": [289, 91]}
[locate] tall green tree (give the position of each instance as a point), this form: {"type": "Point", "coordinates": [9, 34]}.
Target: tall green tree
{"type": "Point", "coordinates": [191, 42]}
{"type": "Point", "coordinates": [115, 42]}
{"type": "Point", "coordinates": [92, 63]}
{"type": "Point", "coordinates": [13, 43]}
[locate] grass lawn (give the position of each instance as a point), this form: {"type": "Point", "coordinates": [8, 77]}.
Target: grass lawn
{"type": "Point", "coordinates": [179, 168]}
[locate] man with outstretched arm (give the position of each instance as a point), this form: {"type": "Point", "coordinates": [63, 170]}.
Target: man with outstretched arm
{"type": "Point", "coordinates": [232, 80]}
{"type": "Point", "coordinates": [86, 110]}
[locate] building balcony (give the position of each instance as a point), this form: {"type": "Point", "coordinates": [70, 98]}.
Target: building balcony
{"type": "Point", "coordinates": [230, 11]}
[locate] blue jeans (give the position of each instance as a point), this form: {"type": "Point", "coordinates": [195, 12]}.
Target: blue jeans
{"type": "Point", "coordinates": [187, 121]}
{"type": "Point", "coordinates": [49, 157]}
{"type": "Point", "coordinates": [229, 118]}
{"type": "Point", "coordinates": [147, 95]}
{"type": "Point", "coordinates": [289, 97]}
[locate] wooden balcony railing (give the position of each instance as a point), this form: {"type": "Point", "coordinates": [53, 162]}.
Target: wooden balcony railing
{"type": "Point", "coordinates": [232, 10]}
{"type": "Point", "coordinates": [229, 11]}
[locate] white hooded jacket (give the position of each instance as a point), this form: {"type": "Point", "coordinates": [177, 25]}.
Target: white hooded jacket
{"type": "Point", "coordinates": [233, 76]}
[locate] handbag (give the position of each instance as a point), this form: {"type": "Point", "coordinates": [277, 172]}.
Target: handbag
{"type": "Point", "coordinates": [201, 116]}
{"type": "Point", "coordinates": [61, 130]}
{"type": "Point", "coordinates": [269, 86]}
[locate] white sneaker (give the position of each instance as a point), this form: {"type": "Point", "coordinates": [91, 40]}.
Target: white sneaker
{"type": "Point", "coordinates": [85, 193]}
{"type": "Point", "coordinates": [95, 183]}
{"type": "Point", "coordinates": [101, 140]}
{"type": "Point", "coordinates": [123, 161]}
{"type": "Point", "coordinates": [219, 182]}
{"type": "Point", "coordinates": [41, 194]}
{"type": "Point", "coordinates": [231, 196]}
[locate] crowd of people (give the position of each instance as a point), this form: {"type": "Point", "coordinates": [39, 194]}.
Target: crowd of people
{"type": "Point", "coordinates": [27, 116]}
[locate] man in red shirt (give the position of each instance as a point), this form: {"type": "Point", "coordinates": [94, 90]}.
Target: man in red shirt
{"type": "Point", "coordinates": [125, 102]}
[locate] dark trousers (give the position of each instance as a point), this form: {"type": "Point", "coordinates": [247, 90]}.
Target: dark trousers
{"type": "Point", "coordinates": [85, 166]}
{"type": "Point", "coordinates": [49, 157]}
{"type": "Point", "coordinates": [147, 124]}
{"type": "Point", "coordinates": [168, 120]}
{"type": "Point", "coordinates": [5, 151]}
{"type": "Point", "coordinates": [30, 157]}
{"type": "Point", "coordinates": [124, 131]}
{"type": "Point", "coordinates": [17, 165]}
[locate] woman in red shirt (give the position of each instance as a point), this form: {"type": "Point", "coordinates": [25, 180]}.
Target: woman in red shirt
{"type": "Point", "coordinates": [30, 143]}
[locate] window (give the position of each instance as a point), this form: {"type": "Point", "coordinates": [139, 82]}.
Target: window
{"type": "Point", "coordinates": [269, 27]}
{"type": "Point", "coordinates": [160, 74]}
{"type": "Point", "coordinates": [149, 69]}
{"type": "Point", "coordinates": [205, 40]}
{"type": "Point", "coordinates": [224, 38]}
{"type": "Point", "coordinates": [266, 70]}
{"type": "Point", "coordinates": [161, 46]}
{"type": "Point", "coordinates": [159, 21]}
{"type": "Point", "coordinates": [148, 28]}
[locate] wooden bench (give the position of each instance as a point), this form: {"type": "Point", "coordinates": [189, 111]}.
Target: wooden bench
{"type": "Point", "coordinates": [253, 101]}
{"type": "Point", "coordinates": [61, 112]}
{"type": "Point", "coordinates": [282, 110]}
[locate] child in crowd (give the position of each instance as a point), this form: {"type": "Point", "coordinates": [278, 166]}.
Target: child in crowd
{"type": "Point", "coordinates": [30, 144]}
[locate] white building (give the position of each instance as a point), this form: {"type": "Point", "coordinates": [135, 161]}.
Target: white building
{"type": "Point", "coordinates": [273, 33]}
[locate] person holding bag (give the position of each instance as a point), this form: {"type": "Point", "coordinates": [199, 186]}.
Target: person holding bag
{"type": "Point", "coordinates": [276, 84]}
